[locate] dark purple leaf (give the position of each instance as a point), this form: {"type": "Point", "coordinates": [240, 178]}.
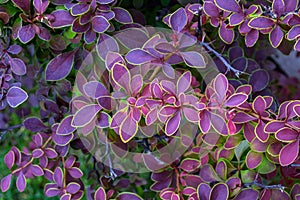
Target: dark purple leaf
{"type": "Point", "coordinates": [80, 9]}
{"type": "Point", "coordinates": [41, 5]}
{"type": "Point", "coordinates": [246, 194]}
{"type": "Point", "coordinates": [16, 96]}
{"type": "Point", "coordinates": [122, 15]}
{"type": "Point", "coordinates": [259, 80]}
{"type": "Point", "coordinates": [220, 191]}
{"type": "Point", "coordinates": [60, 67]}
{"type": "Point", "coordinates": [276, 36]}
{"type": "Point", "coordinates": [34, 124]}
{"type": "Point", "coordinates": [23, 5]}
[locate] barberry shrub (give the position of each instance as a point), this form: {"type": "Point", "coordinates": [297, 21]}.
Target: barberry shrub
{"type": "Point", "coordinates": [106, 99]}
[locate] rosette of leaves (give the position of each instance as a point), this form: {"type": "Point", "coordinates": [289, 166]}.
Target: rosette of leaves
{"type": "Point", "coordinates": [94, 16]}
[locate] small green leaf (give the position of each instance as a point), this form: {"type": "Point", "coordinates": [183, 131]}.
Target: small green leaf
{"type": "Point", "coordinates": [266, 166]}
{"type": "Point", "coordinates": [69, 33]}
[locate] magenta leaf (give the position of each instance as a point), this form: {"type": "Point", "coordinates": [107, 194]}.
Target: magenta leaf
{"type": "Point", "coordinates": [21, 182]}
{"type": "Point", "coordinates": [286, 135]}
{"type": "Point", "coordinates": [289, 153]}
{"type": "Point", "coordinates": [122, 15]}
{"type": "Point", "coordinates": [85, 115]}
{"type": "Point", "coordinates": [60, 67]}
{"type": "Point", "coordinates": [228, 5]}
{"type": "Point", "coordinates": [16, 96]}
{"type": "Point", "coordinates": [100, 194]}
{"type": "Point", "coordinates": [178, 20]}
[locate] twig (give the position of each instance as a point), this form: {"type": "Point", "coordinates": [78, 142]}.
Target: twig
{"type": "Point", "coordinates": [112, 173]}
{"type": "Point", "coordinates": [294, 165]}
{"type": "Point", "coordinates": [279, 186]}
{"type": "Point", "coordinates": [223, 60]}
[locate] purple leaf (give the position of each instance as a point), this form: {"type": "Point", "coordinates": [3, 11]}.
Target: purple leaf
{"type": "Point", "coordinates": [80, 9]}
{"type": "Point", "coordinates": [172, 124]}
{"type": "Point", "coordinates": [278, 7]}
{"type": "Point", "coordinates": [219, 124]}
{"type": "Point", "coordinates": [16, 96]}
{"type": "Point", "coordinates": [128, 195]}
{"type": "Point", "coordinates": [44, 34]}
{"type": "Point", "coordinates": [50, 153]}
{"type": "Point", "coordinates": [251, 38]}
{"type": "Point", "coordinates": [9, 159]}
{"type": "Point", "coordinates": [151, 116]}
{"type": "Point", "coordinates": [253, 159]}
{"type": "Point", "coordinates": [236, 18]}
{"type": "Point", "coordinates": [168, 70]}
{"type": "Point", "coordinates": [228, 5]}
{"type": "Point", "coordinates": [85, 115]}
{"type": "Point", "coordinates": [220, 191]}
{"type": "Point", "coordinates": [65, 127]}
{"type": "Point", "coordinates": [58, 176]}
{"type": "Point", "coordinates": [62, 18]}
{"type": "Point", "coordinates": [75, 172]}
{"type": "Point", "coordinates": [80, 28]}
{"type": "Point", "coordinates": [178, 20]}
{"type": "Point", "coordinates": [106, 44]}
{"type": "Point", "coordinates": [5, 183]}
{"type": "Point", "coordinates": [236, 100]}
{"type": "Point", "coordinates": [100, 24]}
{"type": "Point", "coordinates": [122, 15]}
{"type": "Point", "coordinates": [246, 194]}
{"type": "Point", "coordinates": [100, 194]}
{"type": "Point", "coordinates": [261, 22]}
{"type": "Point", "coordinates": [259, 80]}
{"type": "Point", "coordinates": [191, 114]}
{"type": "Point", "coordinates": [37, 153]}
{"type": "Point", "coordinates": [203, 191]}
{"type": "Point", "coordinates": [226, 34]}
{"type": "Point", "coordinates": [221, 85]}
{"type": "Point", "coordinates": [14, 49]}
{"type": "Point", "coordinates": [34, 124]}
{"type": "Point", "coordinates": [95, 89]}
{"type": "Point", "coordinates": [60, 67]}
{"type": "Point", "coordinates": [73, 188]}
{"type": "Point", "coordinates": [190, 165]}
{"type": "Point", "coordinates": [128, 129]}
{"type": "Point", "coordinates": [286, 135]}
{"type": "Point", "coordinates": [21, 182]}
{"type": "Point", "coordinates": [121, 76]}
{"type": "Point", "coordinates": [66, 196]}
{"type": "Point", "coordinates": [276, 36]}
{"type": "Point", "coordinates": [37, 170]}
{"type": "Point", "coordinates": [139, 56]}
{"type": "Point", "coordinates": [294, 32]}
{"type": "Point", "coordinates": [211, 9]}
{"type": "Point", "coordinates": [289, 153]}
{"type": "Point", "coordinates": [184, 82]}
{"type": "Point", "coordinates": [41, 5]}
{"type": "Point", "coordinates": [103, 120]}
{"type": "Point", "coordinates": [26, 33]}
{"type": "Point", "coordinates": [193, 59]}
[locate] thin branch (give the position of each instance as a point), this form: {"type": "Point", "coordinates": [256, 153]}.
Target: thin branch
{"type": "Point", "coordinates": [222, 59]}
{"type": "Point", "coordinates": [279, 186]}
